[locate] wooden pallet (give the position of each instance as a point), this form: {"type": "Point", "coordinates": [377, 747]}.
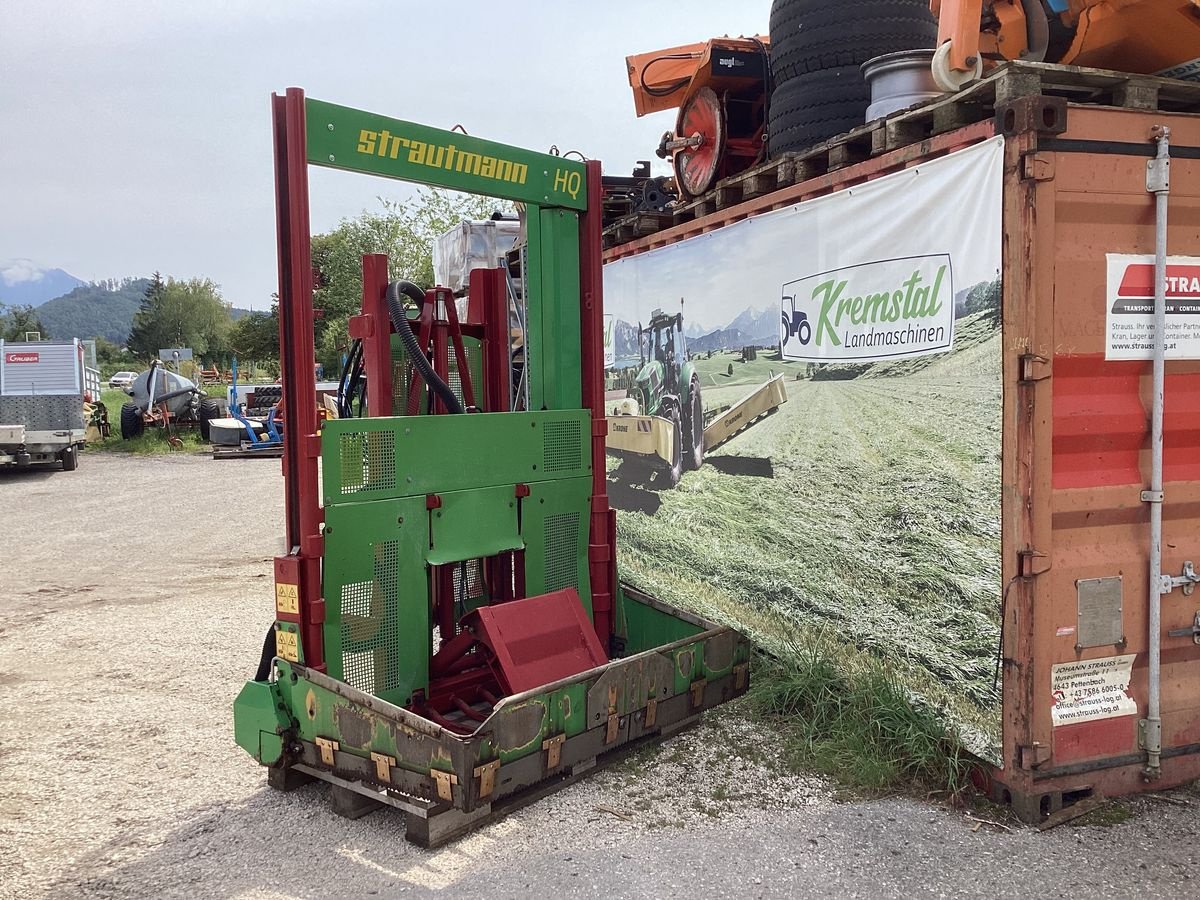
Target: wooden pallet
{"type": "Point", "coordinates": [245, 452]}
{"type": "Point", "coordinates": [976, 103]}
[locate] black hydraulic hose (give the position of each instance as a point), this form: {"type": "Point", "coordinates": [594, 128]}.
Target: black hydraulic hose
{"type": "Point", "coordinates": [348, 379]}
{"type": "Point", "coordinates": [409, 341]}
{"type": "Point", "coordinates": [674, 85]}
{"type": "Point", "coordinates": [357, 390]}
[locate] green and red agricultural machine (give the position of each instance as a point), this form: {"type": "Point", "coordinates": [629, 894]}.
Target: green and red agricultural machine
{"type": "Point", "coordinates": [451, 635]}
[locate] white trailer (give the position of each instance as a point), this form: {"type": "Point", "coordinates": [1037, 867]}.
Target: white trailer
{"type": "Point", "coordinates": [43, 386]}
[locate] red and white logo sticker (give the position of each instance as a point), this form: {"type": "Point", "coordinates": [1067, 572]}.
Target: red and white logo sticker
{"type": "Point", "coordinates": [1183, 282]}
{"type": "Point", "coordinates": [1130, 307]}
{"type": "Point", "coordinates": [21, 357]}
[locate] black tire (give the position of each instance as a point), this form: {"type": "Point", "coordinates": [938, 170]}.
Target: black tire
{"type": "Point", "coordinates": [132, 424]}
{"type": "Point", "coordinates": [675, 471]}
{"type": "Point", "coordinates": [693, 427]}
{"type": "Point", "coordinates": [812, 109]}
{"type": "Point", "coordinates": [814, 35]}
{"type": "Point", "coordinates": [209, 409]}
{"type": "Point", "coordinates": [70, 459]}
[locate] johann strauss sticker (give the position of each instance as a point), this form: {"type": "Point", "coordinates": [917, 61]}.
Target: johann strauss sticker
{"type": "Point", "coordinates": [889, 309]}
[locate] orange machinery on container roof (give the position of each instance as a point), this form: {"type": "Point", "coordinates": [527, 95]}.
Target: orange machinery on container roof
{"type": "Point", "coordinates": [1144, 36]}
{"type": "Point", "coordinates": [720, 87]}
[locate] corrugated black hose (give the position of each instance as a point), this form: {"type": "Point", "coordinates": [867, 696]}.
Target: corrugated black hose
{"type": "Point", "coordinates": [409, 341]}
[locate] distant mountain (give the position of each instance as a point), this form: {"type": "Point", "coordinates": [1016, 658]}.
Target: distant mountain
{"type": "Point", "coordinates": [95, 310]}
{"type": "Point", "coordinates": [25, 283]}
{"type": "Point", "coordinates": [723, 339]}
{"type": "Point", "coordinates": [758, 323]}
{"type": "Point", "coordinates": [625, 340]}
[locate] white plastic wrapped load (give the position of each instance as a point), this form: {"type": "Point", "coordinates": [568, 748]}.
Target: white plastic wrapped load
{"type": "Point", "coordinates": [471, 245]}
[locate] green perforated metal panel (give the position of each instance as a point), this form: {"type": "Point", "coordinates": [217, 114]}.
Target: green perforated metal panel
{"type": "Point", "coordinates": [435, 454]}
{"type": "Point", "coordinates": [377, 596]}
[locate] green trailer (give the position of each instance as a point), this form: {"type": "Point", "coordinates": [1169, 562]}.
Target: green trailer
{"type": "Point", "coordinates": [451, 635]}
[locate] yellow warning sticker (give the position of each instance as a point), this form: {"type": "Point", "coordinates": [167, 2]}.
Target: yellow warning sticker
{"type": "Point", "coordinates": [287, 598]}
{"type": "Point", "coordinates": [287, 645]}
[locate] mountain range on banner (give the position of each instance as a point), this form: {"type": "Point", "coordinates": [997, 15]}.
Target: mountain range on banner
{"type": "Point", "coordinates": [751, 327]}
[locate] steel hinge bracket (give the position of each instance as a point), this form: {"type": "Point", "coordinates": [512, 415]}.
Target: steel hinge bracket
{"type": "Point", "coordinates": [1150, 735]}
{"type": "Point", "coordinates": [1187, 581]}
{"type": "Point", "coordinates": [553, 748]}
{"type": "Point", "coordinates": [1158, 176]}
{"type": "Point", "coordinates": [1033, 562]}
{"type": "Point", "coordinates": [328, 748]}
{"type": "Point", "coordinates": [697, 690]}
{"type": "Point", "coordinates": [1037, 167]}
{"type": "Point", "coordinates": [1034, 368]}
{"type": "Point", "coordinates": [651, 715]}
{"type": "Point", "coordinates": [741, 675]}
{"type": "Point", "coordinates": [1033, 756]}
{"type": "Point", "coordinates": [444, 782]}
{"type": "Point", "coordinates": [487, 778]}
{"type": "Point", "coordinates": [383, 766]}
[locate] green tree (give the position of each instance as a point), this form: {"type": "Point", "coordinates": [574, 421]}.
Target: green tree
{"type": "Point", "coordinates": [15, 321]}
{"type": "Point", "coordinates": [181, 314]}
{"type": "Point", "coordinates": [405, 231]}
{"type": "Point", "coordinates": [985, 296]}
{"type": "Point", "coordinates": [255, 336]}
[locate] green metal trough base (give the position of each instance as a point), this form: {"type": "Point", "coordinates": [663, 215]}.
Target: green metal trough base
{"type": "Point", "coordinates": [304, 724]}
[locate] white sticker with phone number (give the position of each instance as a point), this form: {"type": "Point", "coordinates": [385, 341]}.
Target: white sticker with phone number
{"type": "Point", "coordinates": [1092, 689]}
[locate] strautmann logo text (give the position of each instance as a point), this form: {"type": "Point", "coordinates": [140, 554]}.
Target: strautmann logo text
{"type": "Point", "coordinates": [888, 309]}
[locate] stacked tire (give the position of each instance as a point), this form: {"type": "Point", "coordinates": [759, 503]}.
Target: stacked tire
{"type": "Point", "coordinates": [817, 49]}
{"type": "Point", "coordinates": [265, 398]}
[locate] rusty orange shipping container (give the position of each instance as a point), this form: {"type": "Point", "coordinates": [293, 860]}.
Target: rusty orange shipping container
{"type": "Point", "coordinates": [1101, 693]}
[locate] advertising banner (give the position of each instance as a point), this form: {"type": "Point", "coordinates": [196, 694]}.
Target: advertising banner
{"type": "Point", "coordinates": [804, 431]}
{"type": "Point", "coordinates": [1130, 310]}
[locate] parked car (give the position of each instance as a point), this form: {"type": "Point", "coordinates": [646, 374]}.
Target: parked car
{"type": "Point", "coordinates": [122, 380]}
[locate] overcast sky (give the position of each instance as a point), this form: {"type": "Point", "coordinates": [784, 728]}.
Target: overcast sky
{"type": "Point", "coordinates": [136, 135]}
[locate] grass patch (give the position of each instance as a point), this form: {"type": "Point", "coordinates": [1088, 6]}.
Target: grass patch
{"type": "Point", "coordinates": [1106, 816]}
{"type": "Point", "coordinates": [850, 718]}
{"type": "Point", "coordinates": [866, 567]}
{"type": "Point", "coordinates": [152, 441]}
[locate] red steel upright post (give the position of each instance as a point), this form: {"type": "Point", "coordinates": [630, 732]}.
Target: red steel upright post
{"type": "Point", "coordinates": [601, 551]}
{"type": "Point", "coordinates": [375, 329]}
{"type": "Point", "coordinates": [301, 566]}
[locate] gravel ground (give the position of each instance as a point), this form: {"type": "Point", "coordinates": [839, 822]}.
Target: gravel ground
{"type": "Point", "coordinates": [137, 591]}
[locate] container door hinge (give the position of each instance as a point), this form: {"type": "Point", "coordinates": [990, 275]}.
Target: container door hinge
{"type": "Point", "coordinates": [1034, 755]}
{"type": "Point", "coordinates": [1033, 562]}
{"type": "Point", "coordinates": [328, 748]}
{"type": "Point", "coordinates": [1037, 167]}
{"type": "Point", "coordinates": [1187, 581]}
{"type": "Point", "coordinates": [1034, 368]}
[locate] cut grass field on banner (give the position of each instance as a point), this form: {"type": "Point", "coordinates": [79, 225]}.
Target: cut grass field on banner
{"type": "Point", "coordinates": [867, 566]}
